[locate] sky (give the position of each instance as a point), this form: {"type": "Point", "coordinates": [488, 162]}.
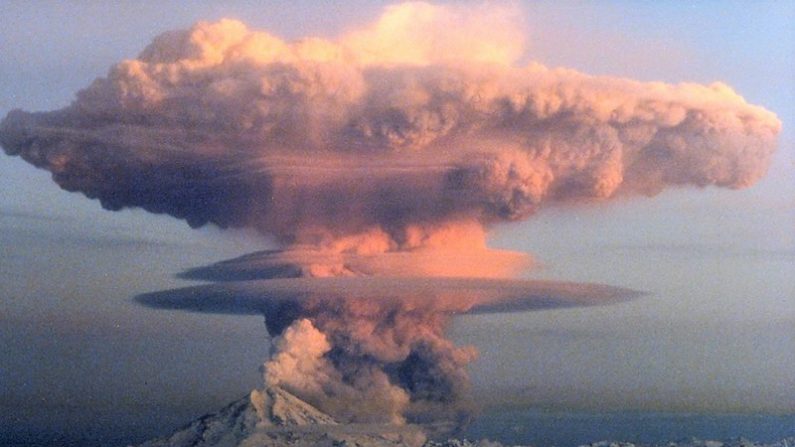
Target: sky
{"type": "Point", "coordinates": [716, 331]}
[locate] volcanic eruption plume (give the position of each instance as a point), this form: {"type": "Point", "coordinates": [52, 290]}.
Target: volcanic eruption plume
{"type": "Point", "coordinates": [378, 160]}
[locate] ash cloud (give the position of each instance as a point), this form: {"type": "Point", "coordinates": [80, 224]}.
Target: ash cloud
{"type": "Point", "coordinates": [411, 135]}
{"type": "Point", "coordinates": [420, 119]}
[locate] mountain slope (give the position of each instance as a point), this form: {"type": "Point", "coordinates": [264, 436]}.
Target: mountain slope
{"type": "Point", "coordinates": [276, 418]}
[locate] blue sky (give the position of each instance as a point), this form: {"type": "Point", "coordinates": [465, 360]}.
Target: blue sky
{"type": "Point", "coordinates": [716, 332]}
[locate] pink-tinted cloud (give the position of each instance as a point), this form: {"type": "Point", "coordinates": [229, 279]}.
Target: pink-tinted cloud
{"type": "Point", "coordinates": [408, 137]}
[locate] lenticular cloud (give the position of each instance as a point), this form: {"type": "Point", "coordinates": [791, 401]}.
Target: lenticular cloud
{"type": "Point", "coordinates": [386, 152]}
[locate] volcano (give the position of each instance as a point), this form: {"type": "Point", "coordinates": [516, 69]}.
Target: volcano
{"type": "Point", "coordinates": [274, 417]}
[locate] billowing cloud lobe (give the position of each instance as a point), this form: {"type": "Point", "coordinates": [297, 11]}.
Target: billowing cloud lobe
{"type": "Point", "coordinates": [399, 125]}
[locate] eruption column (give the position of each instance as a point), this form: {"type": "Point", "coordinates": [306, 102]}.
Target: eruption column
{"type": "Point", "coordinates": [392, 149]}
